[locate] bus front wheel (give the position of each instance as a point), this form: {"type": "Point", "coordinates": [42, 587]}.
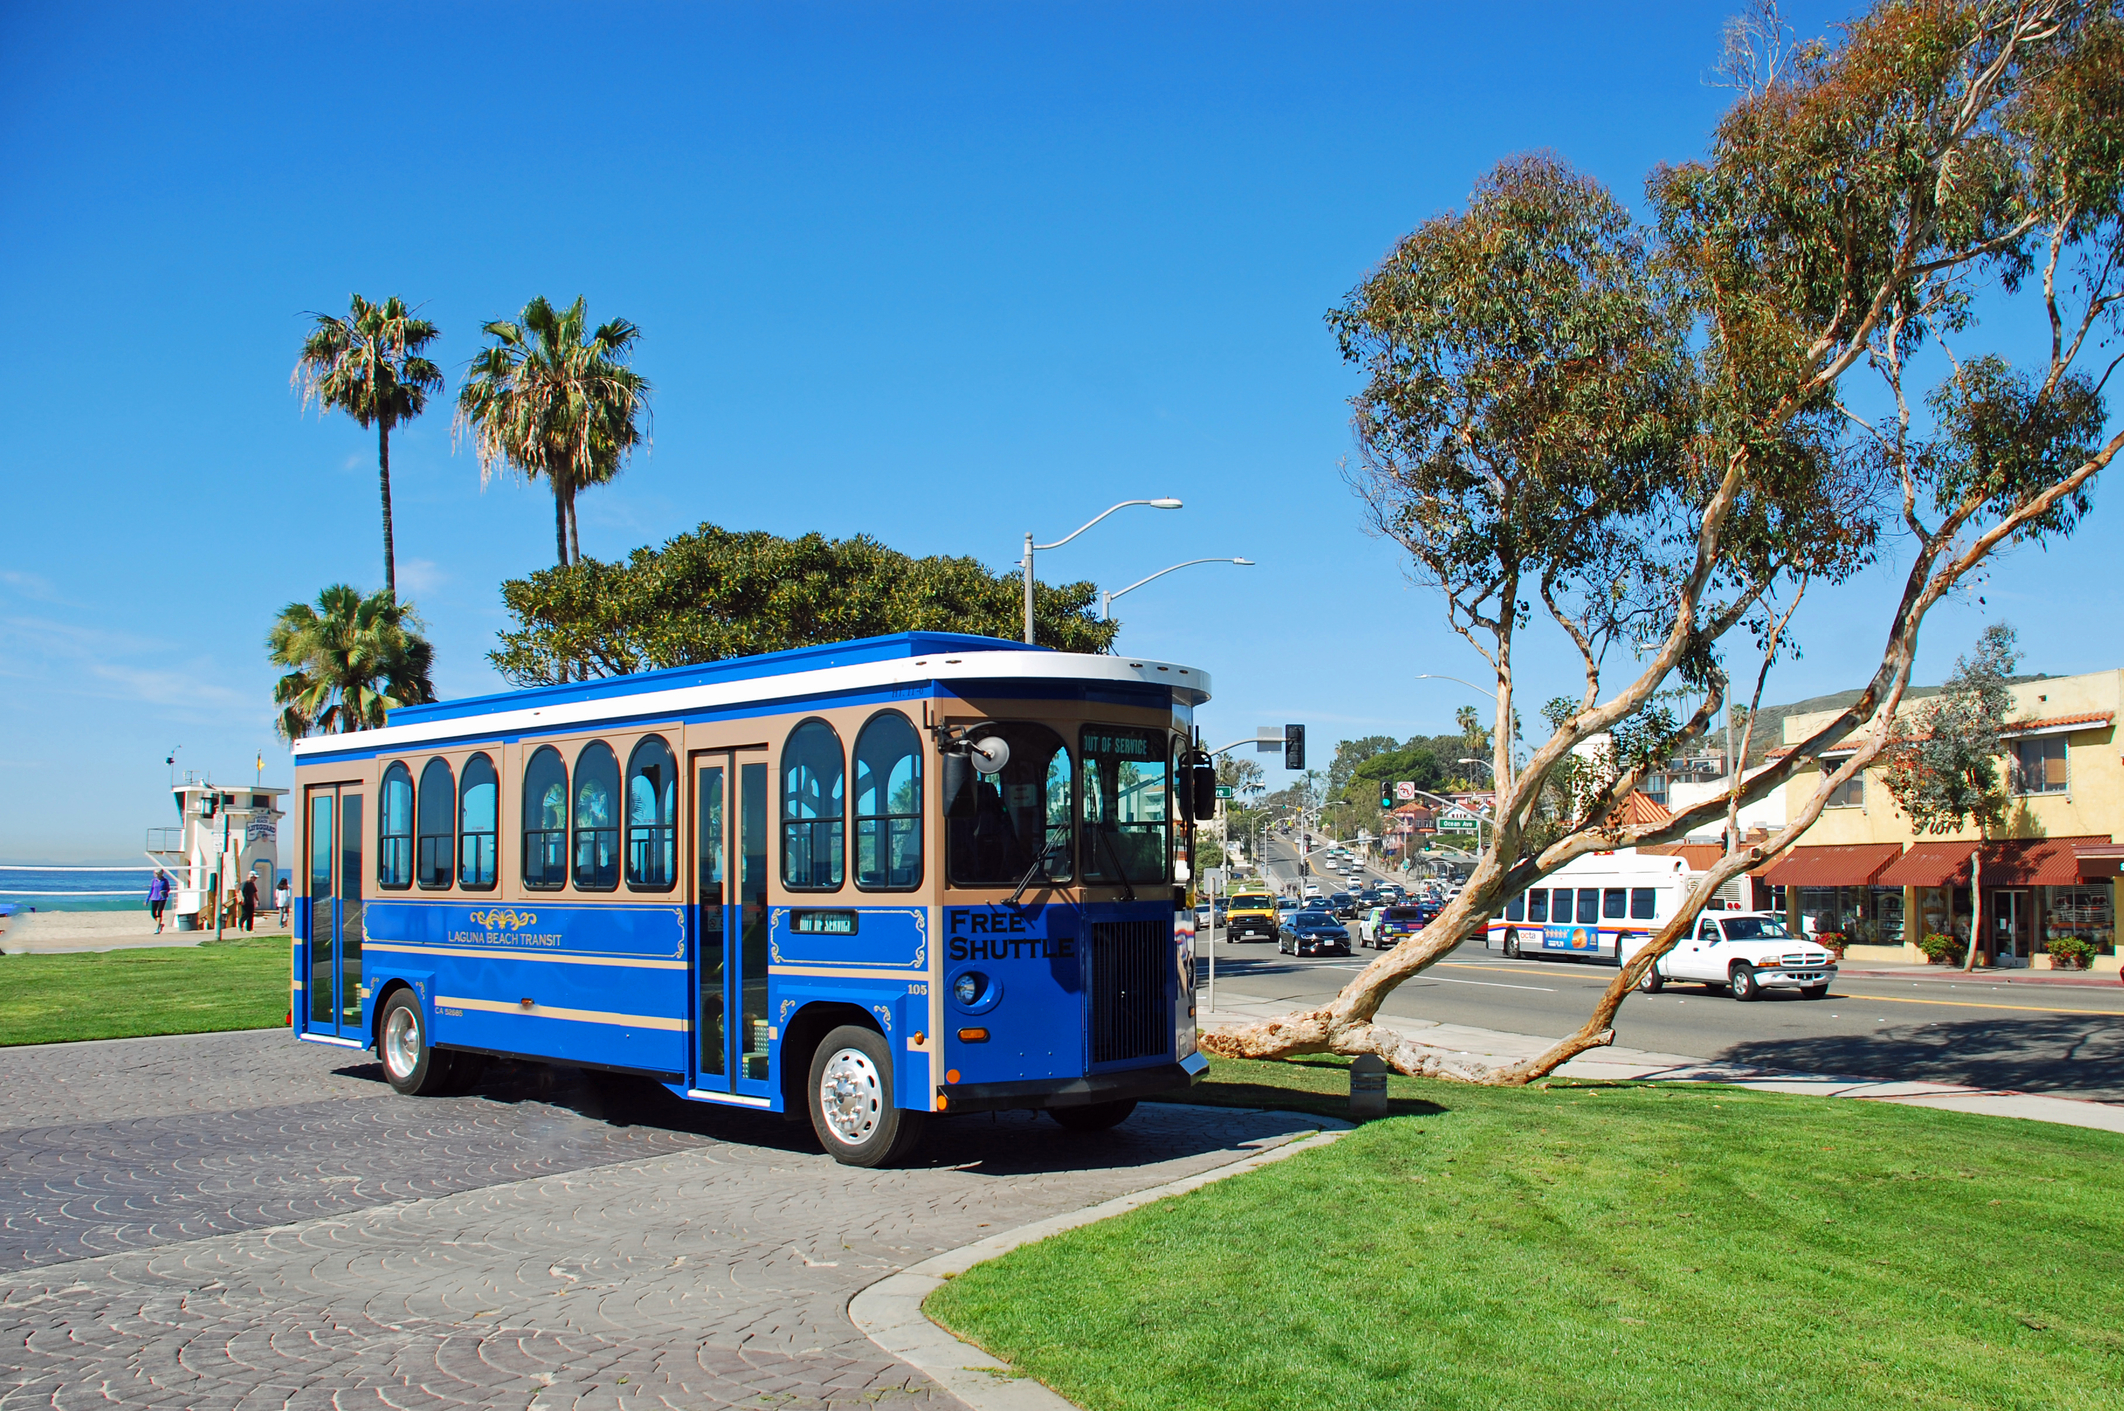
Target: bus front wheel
{"type": "Point", "coordinates": [410, 1062]}
{"type": "Point", "coordinates": [1511, 945]}
{"type": "Point", "coordinates": [852, 1102]}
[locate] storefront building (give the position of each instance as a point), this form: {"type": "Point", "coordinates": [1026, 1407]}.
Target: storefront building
{"type": "Point", "coordinates": [2052, 873]}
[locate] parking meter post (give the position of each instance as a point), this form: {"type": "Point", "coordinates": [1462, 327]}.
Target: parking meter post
{"type": "Point", "coordinates": [1368, 1086]}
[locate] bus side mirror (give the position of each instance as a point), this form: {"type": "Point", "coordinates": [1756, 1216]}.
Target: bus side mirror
{"type": "Point", "coordinates": [1202, 781]}
{"type": "Point", "coordinates": [955, 775]}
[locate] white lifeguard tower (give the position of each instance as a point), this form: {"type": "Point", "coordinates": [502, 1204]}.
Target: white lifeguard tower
{"type": "Point", "coordinates": [225, 836]}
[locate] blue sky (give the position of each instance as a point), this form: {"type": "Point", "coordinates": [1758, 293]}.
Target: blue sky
{"type": "Point", "coordinates": [938, 273]}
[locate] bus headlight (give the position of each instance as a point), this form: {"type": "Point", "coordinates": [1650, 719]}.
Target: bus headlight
{"type": "Point", "coordinates": [967, 988]}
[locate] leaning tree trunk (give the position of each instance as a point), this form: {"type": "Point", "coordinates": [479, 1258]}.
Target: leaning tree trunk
{"type": "Point", "coordinates": [383, 463]}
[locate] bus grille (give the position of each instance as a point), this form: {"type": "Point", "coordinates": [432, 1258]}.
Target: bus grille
{"type": "Point", "coordinates": [1129, 1018]}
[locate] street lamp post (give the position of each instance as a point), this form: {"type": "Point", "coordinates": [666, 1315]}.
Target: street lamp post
{"type": "Point", "coordinates": [1504, 725]}
{"type": "Point", "coordinates": [1106, 605]}
{"type": "Point", "coordinates": [1164, 503]}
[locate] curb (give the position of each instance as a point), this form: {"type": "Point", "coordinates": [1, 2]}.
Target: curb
{"type": "Point", "coordinates": [889, 1312]}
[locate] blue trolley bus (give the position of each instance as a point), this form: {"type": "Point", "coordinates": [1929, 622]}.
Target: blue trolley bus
{"type": "Point", "coordinates": [860, 883]}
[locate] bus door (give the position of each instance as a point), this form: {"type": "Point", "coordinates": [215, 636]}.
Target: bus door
{"type": "Point", "coordinates": [730, 1018]}
{"type": "Point", "coordinates": [332, 976]}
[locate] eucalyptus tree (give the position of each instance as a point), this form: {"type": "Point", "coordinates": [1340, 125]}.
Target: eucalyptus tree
{"type": "Point", "coordinates": [557, 404]}
{"type": "Point", "coordinates": [369, 365]}
{"type": "Point", "coordinates": [351, 659]}
{"type": "Point", "coordinates": [1658, 435]}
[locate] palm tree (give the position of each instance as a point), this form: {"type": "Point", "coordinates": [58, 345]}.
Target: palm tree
{"type": "Point", "coordinates": [368, 365]}
{"type": "Point", "coordinates": [555, 406]}
{"type": "Point", "coordinates": [352, 659]}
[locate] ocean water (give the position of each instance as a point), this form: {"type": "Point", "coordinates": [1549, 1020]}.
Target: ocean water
{"type": "Point", "coordinates": [25, 888]}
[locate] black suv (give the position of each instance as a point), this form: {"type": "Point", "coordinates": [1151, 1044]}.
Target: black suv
{"type": "Point", "coordinates": [1344, 905]}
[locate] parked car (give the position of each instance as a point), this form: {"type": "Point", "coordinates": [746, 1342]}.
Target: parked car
{"type": "Point", "coordinates": [1313, 932]}
{"type": "Point", "coordinates": [1744, 953]}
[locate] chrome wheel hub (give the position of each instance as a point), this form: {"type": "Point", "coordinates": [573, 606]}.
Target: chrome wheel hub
{"type": "Point", "coordinates": [401, 1042]}
{"type": "Point", "coordinates": [852, 1096]}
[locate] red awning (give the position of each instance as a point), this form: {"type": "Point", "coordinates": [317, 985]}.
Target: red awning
{"type": "Point", "coordinates": [2099, 860]}
{"type": "Point", "coordinates": [1834, 865]}
{"type": "Point", "coordinates": [2014, 862]}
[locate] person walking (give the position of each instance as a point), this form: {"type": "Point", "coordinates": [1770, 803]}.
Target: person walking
{"type": "Point", "coordinates": [250, 901]}
{"type": "Point", "coordinates": [280, 901]}
{"type": "Point", "coordinates": [158, 897]}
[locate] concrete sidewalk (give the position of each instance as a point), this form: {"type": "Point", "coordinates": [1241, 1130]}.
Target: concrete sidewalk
{"type": "Point", "coordinates": [57, 932]}
{"type": "Point", "coordinates": [1617, 1064]}
{"type": "Point", "coordinates": [1949, 974]}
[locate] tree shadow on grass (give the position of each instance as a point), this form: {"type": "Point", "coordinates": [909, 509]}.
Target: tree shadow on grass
{"type": "Point", "coordinates": [2069, 1055]}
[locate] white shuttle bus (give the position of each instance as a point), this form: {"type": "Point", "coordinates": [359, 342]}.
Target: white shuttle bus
{"type": "Point", "coordinates": [1600, 907]}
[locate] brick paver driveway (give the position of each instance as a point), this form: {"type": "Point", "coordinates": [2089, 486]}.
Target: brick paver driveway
{"type": "Point", "coordinates": [238, 1220]}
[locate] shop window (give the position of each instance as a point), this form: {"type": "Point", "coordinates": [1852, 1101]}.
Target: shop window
{"type": "Point", "coordinates": [888, 805]}
{"type": "Point", "coordinates": [478, 801]}
{"type": "Point", "coordinates": [2039, 766]}
{"type": "Point", "coordinates": [438, 827]}
{"type": "Point", "coordinates": [546, 821]}
{"type": "Point", "coordinates": [652, 817]}
{"type": "Point", "coordinates": [595, 822]}
{"type": "Point", "coordinates": [2086, 913]}
{"type": "Point", "coordinates": [812, 808]}
{"type": "Point", "coordinates": [394, 829]}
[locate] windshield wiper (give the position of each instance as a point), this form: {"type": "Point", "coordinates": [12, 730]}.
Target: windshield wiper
{"type": "Point", "coordinates": [1039, 864]}
{"type": "Point", "coordinates": [1128, 890]}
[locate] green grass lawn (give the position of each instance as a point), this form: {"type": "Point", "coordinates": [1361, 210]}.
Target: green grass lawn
{"type": "Point", "coordinates": [1597, 1246]}
{"type": "Point", "coordinates": [121, 994]}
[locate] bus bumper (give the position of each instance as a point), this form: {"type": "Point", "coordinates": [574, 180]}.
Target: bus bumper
{"type": "Point", "coordinates": [1041, 1093]}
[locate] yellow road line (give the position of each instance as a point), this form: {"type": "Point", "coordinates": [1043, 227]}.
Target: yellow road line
{"type": "Point", "coordinates": [1857, 998]}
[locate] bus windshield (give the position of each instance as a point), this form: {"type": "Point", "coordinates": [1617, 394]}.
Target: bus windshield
{"type": "Point", "coordinates": [1021, 816]}
{"type": "Point", "coordinates": [1124, 804]}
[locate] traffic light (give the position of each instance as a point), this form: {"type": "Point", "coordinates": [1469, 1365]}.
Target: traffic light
{"type": "Point", "coordinates": [1386, 795]}
{"type": "Point", "coordinates": [1294, 747]}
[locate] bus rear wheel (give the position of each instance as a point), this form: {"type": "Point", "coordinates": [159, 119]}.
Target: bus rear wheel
{"type": "Point", "coordinates": [1094, 1116]}
{"type": "Point", "coordinates": [411, 1064]}
{"type": "Point", "coordinates": [851, 1100]}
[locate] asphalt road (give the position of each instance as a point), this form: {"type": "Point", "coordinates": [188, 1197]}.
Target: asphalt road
{"type": "Point", "coordinates": [1985, 1032]}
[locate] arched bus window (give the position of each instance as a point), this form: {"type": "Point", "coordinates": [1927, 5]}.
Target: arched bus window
{"type": "Point", "coordinates": [394, 829]}
{"type": "Point", "coordinates": [888, 805]}
{"type": "Point", "coordinates": [596, 819]}
{"type": "Point", "coordinates": [438, 831]}
{"type": "Point", "coordinates": [478, 798]}
{"type": "Point", "coordinates": [546, 821]}
{"type": "Point", "coordinates": [652, 817]}
{"type": "Point", "coordinates": [812, 808]}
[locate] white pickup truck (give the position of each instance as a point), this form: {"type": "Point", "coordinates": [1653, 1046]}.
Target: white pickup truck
{"type": "Point", "coordinates": [1746, 952]}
